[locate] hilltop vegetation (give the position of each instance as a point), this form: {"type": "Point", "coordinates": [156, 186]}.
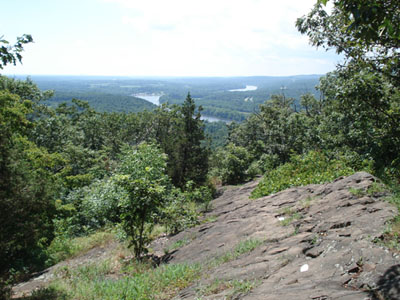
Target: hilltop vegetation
{"type": "Point", "coordinates": [69, 170]}
{"type": "Point", "coordinates": [213, 94]}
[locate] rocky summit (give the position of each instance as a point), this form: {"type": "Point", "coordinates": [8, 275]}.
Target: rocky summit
{"type": "Point", "coordinates": [312, 242]}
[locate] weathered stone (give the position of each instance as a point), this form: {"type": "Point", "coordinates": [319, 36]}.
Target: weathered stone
{"type": "Point", "coordinates": [322, 248]}
{"type": "Point", "coordinates": [332, 240]}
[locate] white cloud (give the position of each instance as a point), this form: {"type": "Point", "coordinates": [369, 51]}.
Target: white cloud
{"type": "Point", "coordinates": [224, 32]}
{"type": "Point", "coordinates": [184, 37]}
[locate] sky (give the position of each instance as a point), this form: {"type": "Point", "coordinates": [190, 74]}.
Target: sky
{"type": "Point", "coordinates": [162, 38]}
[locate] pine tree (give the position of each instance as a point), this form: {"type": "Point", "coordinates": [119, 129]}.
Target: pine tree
{"type": "Point", "coordinates": [191, 159]}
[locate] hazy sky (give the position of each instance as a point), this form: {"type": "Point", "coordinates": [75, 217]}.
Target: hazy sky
{"type": "Point", "coordinates": [162, 37]}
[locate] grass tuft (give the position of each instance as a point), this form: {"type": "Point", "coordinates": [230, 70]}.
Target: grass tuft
{"type": "Point", "coordinates": [236, 286]}
{"type": "Point", "coordinates": [63, 247]}
{"type": "Point", "coordinates": [241, 248]}
{"type": "Point", "coordinates": [99, 281]}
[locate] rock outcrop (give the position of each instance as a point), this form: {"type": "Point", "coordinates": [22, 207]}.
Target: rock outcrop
{"type": "Point", "coordinates": [315, 242]}
{"type": "Point", "coordinates": [312, 242]}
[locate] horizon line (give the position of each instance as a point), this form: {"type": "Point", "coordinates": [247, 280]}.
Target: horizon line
{"type": "Point", "coordinates": [157, 76]}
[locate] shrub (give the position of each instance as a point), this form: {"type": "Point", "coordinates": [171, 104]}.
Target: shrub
{"type": "Point", "coordinates": [314, 167]}
{"type": "Point", "coordinates": [231, 164]}
{"type": "Point", "coordinates": [200, 195]}
{"type": "Point", "coordinates": [142, 175]}
{"type": "Point", "coordinates": [100, 203]}
{"type": "Point", "coordinates": [180, 213]}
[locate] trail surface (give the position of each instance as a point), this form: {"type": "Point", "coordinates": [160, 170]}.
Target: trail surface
{"type": "Point", "coordinates": [318, 243]}
{"type": "Point", "coordinates": [314, 242]}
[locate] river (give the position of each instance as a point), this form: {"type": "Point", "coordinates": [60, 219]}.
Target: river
{"type": "Point", "coordinates": [155, 99]}
{"type": "Point", "coordinates": [247, 88]}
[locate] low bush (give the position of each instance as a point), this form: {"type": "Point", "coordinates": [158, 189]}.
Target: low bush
{"type": "Point", "coordinates": [314, 167]}
{"type": "Point", "coordinates": [179, 213]}
{"type": "Point", "coordinates": [231, 164]}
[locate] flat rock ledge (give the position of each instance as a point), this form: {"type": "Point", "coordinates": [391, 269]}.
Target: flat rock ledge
{"type": "Point", "coordinates": [317, 242]}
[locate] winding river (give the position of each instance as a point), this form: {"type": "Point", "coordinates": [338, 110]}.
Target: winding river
{"type": "Point", "coordinates": [246, 89]}
{"type": "Point", "coordinates": [155, 99]}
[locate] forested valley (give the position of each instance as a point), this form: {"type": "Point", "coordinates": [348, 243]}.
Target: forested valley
{"type": "Point", "coordinates": [225, 98]}
{"type": "Point", "coordinates": [70, 172]}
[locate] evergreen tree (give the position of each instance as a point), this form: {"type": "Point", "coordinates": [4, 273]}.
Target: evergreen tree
{"type": "Point", "coordinates": [27, 188]}
{"type": "Point", "coordinates": [191, 158]}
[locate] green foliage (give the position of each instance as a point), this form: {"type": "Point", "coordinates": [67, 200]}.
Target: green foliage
{"type": "Point", "coordinates": [142, 175]}
{"type": "Point", "coordinates": [365, 115]}
{"type": "Point", "coordinates": [231, 163]}
{"type": "Point", "coordinates": [357, 192]}
{"type": "Point", "coordinates": [314, 167]}
{"type": "Point", "coordinates": [27, 188]}
{"type": "Point", "coordinates": [179, 212]}
{"type": "Point", "coordinates": [272, 135]}
{"type": "Point", "coordinates": [63, 247]}
{"type": "Point", "coordinates": [89, 208]}
{"type": "Point", "coordinates": [217, 132]}
{"type": "Point", "coordinates": [246, 246]}
{"type": "Point", "coordinates": [100, 202]}
{"type": "Point", "coordinates": [48, 294]}
{"type": "Point", "coordinates": [242, 247]}
{"type": "Point", "coordinates": [5, 289]}
{"type": "Point", "coordinates": [102, 101]}
{"type": "Point", "coordinates": [12, 54]}
{"type": "Point", "coordinates": [83, 152]}
{"type": "Point", "coordinates": [200, 195]}
{"type": "Point", "coordinates": [25, 89]}
{"type": "Point", "coordinates": [218, 285]}
{"type": "Point", "coordinates": [290, 215]}
{"type": "Point", "coordinates": [93, 282]}
{"type": "Point", "coordinates": [181, 209]}
{"type": "Point", "coordinates": [110, 94]}
{"type": "Point", "coordinates": [177, 245]}
{"type": "Point", "coordinates": [190, 157]}
{"type": "Point", "coordinates": [365, 31]}
{"type": "Point", "coordinates": [394, 198]}
{"type": "Point", "coordinates": [362, 95]}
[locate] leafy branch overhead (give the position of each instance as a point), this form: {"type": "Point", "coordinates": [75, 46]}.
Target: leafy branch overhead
{"type": "Point", "coordinates": [12, 54]}
{"type": "Point", "coordinates": [374, 21]}
{"type": "Point", "coordinates": [366, 32]}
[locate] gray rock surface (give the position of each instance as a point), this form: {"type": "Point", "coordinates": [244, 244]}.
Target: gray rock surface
{"type": "Point", "coordinates": [317, 243]}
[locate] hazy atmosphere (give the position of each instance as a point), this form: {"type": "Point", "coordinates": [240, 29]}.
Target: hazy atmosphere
{"type": "Point", "coordinates": [163, 38]}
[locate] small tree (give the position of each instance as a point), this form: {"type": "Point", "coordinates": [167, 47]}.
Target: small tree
{"type": "Point", "coordinates": [142, 175]}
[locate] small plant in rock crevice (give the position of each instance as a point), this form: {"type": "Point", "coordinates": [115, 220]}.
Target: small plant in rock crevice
{"type": "Point", "coordinates": [241, 248]}
{"type": "Point", "coordinates": [290, 215]}
{"type": "Point", "coordinates": [235, 286]}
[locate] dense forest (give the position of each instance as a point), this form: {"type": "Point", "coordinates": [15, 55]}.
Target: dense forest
{"type": "Point", "coordinates": [69, 170]}
{"type": "Point", "coordinates": [220, 97]}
